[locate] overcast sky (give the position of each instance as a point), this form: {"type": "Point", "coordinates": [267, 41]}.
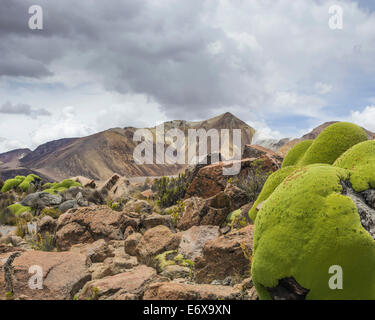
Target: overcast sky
{"type": "Point", "coordinates": [275, 64]}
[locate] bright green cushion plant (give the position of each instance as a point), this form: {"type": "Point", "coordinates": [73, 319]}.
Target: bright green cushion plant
{"type": "Point", "coordinates": [306, 225]}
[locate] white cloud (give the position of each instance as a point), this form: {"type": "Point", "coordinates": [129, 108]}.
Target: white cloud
{"type": "Point", "coordinates": [264, 132]}
{"type": "Point", "coordinates": [7, 145]}
{"type": "Point", "coordinates": [323, 88]}
{"type": "Point", "coordinates": [67, 125]}
{"type": "Point", "coordinates": [365, 118]}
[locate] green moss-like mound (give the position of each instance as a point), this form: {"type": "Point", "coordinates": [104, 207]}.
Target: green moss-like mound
{"type": "Point", "coordinates": [305, 227]}
{"type": "Point", "coordinates": [271, 184]}
{"type": "Point", "coordinates": [12, 183]}
{"type": "Point", "coordinates": [332, 142]}
{"type": "Point", "coordinates": [360, 160]}
{"type": "Point", "coordinates": [16, 209]}
{"type": "Point", "coordinates": [296, 153]}
{"type": "Point", "coordinates": [25, 184]}
{"type": "Point", "coordinates": [57, 187]}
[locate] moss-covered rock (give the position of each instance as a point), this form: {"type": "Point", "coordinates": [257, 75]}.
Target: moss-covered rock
{"type": "Point", "coordinates": [169, 258]}
{"type": "Point", "coordinates": [305, 227]}
{"type": "Point", "coordinates": [332, 142]}
{"type": "Point", "coordinates": [294, 156]}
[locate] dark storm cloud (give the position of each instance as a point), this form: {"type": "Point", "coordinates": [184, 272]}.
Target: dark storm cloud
{"type": "Point", "coordinates": [149, 47]}
{"type": "Point", "coordinates": [22, 109]}
{"type": "Point", "coordinates": [191, 57]}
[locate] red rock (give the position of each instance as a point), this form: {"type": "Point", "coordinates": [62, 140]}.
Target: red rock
{"type": "Point", "coordinates": [64, 274]}
{"type": "Point", "coordinates": [91, 224]}
{"type": "Point", "coordinates": [183, 291]}
{"type": "Point", "coordinates": [226, 256]}
{"type": "Point", "coordinates": [155, 241]}
{"type": "Point", "coordinates": [129, 284]}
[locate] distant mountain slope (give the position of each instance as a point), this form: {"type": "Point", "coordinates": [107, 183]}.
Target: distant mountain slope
{"type": "Point", "coordinates": [13, 156]}
{"type": "Point", "coordinates": [45, 149]}
{"type": "Point", "coordinates": [100, 155]}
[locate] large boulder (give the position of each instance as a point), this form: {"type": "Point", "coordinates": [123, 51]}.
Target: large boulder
{"type": "Point", "coordinates": [154, 220]}
{"type": "Point", "coordinates": [64, 274]}
{"type": "Point", "coordinates": [127, 285]}
{"type": "Point", "coordinates": [97, 251]}
{"type": "Point", "coordinates": [106, 187]}
{"type": "Point", "coordinates": [85, 182]}
{"type": "Point", "coordinates": [131, 243]}
{"type": "Point", "coordinates": [256, 151]}
{"type": "Point", "coordinates": [210, 179]}
{"type": "Point", "coordinates": [226, 256]}
{"type": "Point", "coordinates": [46, 224]}
{"type": "Point", "coordinates": [41, 200]}
{"type": "Point", "coordinates": [155, 241]}
{"type": "Point", "coordinates": [67, 205]}
{"type": "Point", "coordinates": [184, 291]}
{"type": "Point", "coordinates": [120, 190]}
{"type": "Point", "coordinates": [91, 224]}
{"type": "Point", "coordinates": [211, 211]}
{"type": "Point", "coordinates": [193, 240]}
{"type": "Point", "coordinates": [138, 206]}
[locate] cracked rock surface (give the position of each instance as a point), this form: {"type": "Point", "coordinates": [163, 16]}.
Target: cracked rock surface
{"type": "Point", "coordinates": [364, 202]}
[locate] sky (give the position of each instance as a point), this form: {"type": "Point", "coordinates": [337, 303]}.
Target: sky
{"type": "Point", "coordinates": [95, 65]}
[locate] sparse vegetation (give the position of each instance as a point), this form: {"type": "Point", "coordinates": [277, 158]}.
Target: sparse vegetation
{"type": "Point", "coordinates": [21, 230]}
{"type": "Point", "coordinates": [172, 257]}
{"type": "Point", "coordinates": [52, 212]}
{"type": "Point", "coordinates": [253, 181]}
{"type": "Point", "coordinates": [170, 190]}
{"type": "Point", "coordinates": [45, 242]}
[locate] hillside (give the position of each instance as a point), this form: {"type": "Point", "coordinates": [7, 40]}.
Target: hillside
{"type": "Point", "coordinates": [100, 155]}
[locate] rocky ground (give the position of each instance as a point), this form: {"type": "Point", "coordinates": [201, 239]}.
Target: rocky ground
{"type": "Point", "coordinates": [109, 244]}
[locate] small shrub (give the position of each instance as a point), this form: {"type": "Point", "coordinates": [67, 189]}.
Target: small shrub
{"type": "Point", "coordinates": [45, 242]}
{"type": "Point", "coordinates": [169, 190]}
{"type": "Point", "coordinates": [95, 293]}
{"type": "Point", "coordinates": [21, 230]}
{"type": "Point", "coordinates": [9, 295]}
{"type": "Point", "coordinates": [52, 212]}
{"type": "Point", "coordinates": [176, 212]}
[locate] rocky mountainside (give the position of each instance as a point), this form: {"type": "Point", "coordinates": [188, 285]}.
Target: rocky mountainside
{"type": "Point", "coordinates": [13, 156]}
{"type": "Point", "coordinates": [100, 155]}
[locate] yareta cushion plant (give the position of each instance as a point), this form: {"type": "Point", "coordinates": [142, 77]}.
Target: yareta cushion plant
{"type": "Point", "coordinates": [316, 215]}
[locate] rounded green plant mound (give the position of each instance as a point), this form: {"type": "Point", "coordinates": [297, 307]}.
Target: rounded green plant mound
{"type": "Point", "coordinates": [271, 184]}
{"type": "Point", "coordinates": [332, 142]}
{"type": "Point", "coordinates": [25, 184]}
{"type": "Point", "coordinates": [305, 227]}
{"type": "Point", "coordinates": [296, 153]}
{"type": "Point", "coordinates": [360, 160]}
{"type": "Point", "coordinates": [56, 187]}
{"type": "Point", "coordinates": [16, 209]}
{"type": "Point", "coordinates": [12, 183]}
